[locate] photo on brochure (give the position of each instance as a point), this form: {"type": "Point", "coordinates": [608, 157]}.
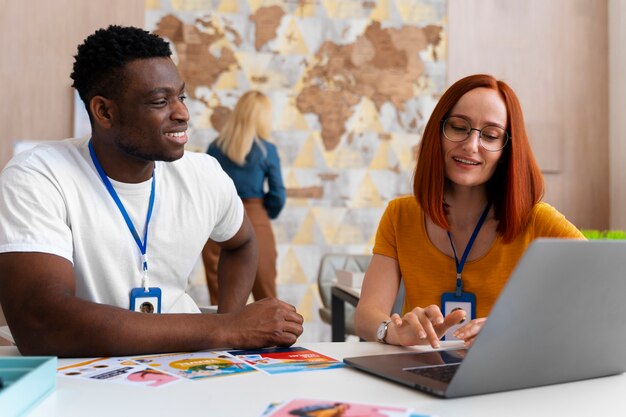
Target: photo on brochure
{"type": "Point", "coordinates": [196, 365]}
{"type": "Point", "coordinates": [118, 370]}
{"type": "Point", "coordinates": [304, 407]}
{"type": "Point", "coordinates": [284, 360]}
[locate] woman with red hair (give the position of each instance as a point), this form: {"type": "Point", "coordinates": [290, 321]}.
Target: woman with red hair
{"type": "Point", "coordinates": [476, 207]}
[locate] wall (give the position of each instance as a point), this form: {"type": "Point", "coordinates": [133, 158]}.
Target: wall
{"type": "Point", "coordinates": [555, 56]}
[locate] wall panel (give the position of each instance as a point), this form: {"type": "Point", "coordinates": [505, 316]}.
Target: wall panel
{"type": "Point", "coordinates": [554, 55]}
{"type": "Point", "coordinates": [617, 112]}
{"type": "Point", "coordinates": [38, 40]}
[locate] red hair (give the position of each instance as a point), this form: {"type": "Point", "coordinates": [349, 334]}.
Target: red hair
{"type": "Point", "coordinates": [516, 185]}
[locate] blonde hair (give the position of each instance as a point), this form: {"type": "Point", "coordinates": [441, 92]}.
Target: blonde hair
{"type": "Point", "coordinates": [248, 122]}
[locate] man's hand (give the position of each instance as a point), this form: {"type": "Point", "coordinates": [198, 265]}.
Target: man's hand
{"type": "Point", "coordinates": [423, 325]}
{"type": "Point", "coordinates": [269, 322]}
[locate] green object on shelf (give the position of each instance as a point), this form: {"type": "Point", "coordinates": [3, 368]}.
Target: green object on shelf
{"type": "Point", "coordinates": [604, 234]}
{"type": "Point", "coordinates": [27, 380]}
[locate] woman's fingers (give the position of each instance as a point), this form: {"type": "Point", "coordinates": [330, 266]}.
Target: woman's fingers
{"type": "Point", "coordinates": [470, 330]}
{"type": "Point", "coordinates": [396, 319]}
{"type": "Point", "coordinates": [432, 317]}
{"type": "Point", "coordinates": [424, 321]}
{"type": "Point", "coordinates": [428, 325]}
{"type": "Point", "coordinates": [434, 314]}
{"type": "Point", "coordinates": [413, 322]}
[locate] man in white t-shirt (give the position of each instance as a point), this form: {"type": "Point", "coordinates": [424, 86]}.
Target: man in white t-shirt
{"type": "Point", "coordinates": [96, 234]}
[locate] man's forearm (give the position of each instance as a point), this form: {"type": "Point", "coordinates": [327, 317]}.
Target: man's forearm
{"type": "Point", "coordinates": [236, 273]}
{"type": "Point", "coordinates": [80, 328]}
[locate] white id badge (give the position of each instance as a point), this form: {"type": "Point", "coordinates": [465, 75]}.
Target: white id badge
{"type": "Point", "coordinates": [143, 301]}
{"type": "Point", "coordinates": [450, 302]}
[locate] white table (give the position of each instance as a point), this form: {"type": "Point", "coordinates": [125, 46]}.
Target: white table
{"type": "Point", "coordinates": [249, 394]}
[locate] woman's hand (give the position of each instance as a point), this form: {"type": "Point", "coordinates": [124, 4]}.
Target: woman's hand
{"type": "Point", "coordinates": [468, 332]}
{"type": "Point", "coordinates": [422, 325]}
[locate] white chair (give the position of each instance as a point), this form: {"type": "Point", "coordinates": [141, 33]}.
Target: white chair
{"type": "Point", "coordinates": [329, 265]}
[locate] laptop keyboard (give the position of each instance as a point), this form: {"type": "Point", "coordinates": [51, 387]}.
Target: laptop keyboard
{"type": "Point", "coordinates": [439, 373]}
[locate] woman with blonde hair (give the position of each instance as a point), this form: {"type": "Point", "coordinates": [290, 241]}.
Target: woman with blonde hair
{"type": "Point", "coordinates": [250, 160]}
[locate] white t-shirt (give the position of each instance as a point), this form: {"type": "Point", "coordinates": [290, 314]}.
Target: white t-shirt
{"type": "Point", "coordinates": [54, 201]}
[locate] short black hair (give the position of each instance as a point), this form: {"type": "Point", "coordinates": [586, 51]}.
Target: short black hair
{"type": "Point", "coordinates": [102, 56]}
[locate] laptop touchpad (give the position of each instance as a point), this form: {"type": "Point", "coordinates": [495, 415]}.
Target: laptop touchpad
{"type": "Point", "coordinates": [434, 359]}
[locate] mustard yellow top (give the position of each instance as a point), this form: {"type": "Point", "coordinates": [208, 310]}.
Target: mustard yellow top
{"type": "Point", "coordinates": [427, 272]}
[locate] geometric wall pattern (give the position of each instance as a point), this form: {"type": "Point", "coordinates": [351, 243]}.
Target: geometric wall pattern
{"type": "Point", "coordinates": [352, 84]}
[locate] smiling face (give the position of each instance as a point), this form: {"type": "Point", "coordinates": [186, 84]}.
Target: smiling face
{"type": "Point", "coordinates": [152, 117]}
{"type": "Point", "coordinates": [467, 163]}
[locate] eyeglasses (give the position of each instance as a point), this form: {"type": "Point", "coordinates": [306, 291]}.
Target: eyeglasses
{"type": "Point", "coordinates": [491, 138]}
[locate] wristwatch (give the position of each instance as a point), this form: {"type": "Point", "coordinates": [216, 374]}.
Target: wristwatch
{"type": "Point", "coordinates": [381, 333]}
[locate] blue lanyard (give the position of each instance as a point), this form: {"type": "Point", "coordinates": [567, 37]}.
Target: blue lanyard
{"type": "Point", "coordinates": [142, 246]}
{"type": "Point", "coordinates": [461, 264]}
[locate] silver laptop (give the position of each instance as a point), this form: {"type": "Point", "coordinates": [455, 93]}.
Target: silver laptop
{"type": "Point", "coordinates": [560, 318]}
